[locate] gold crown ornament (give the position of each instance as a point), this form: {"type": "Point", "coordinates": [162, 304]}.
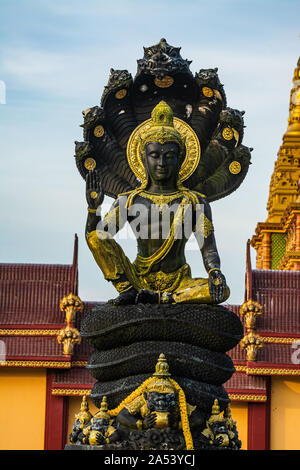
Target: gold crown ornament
{"type": "Point", "coordinates": [162, 128]}
{"type": "Point", "coordinates": [161, 382]}
{"type": "Point", "coordinates": [103, 412]}
{"type": "Point", "coordinates": [84, 414]}
{"type": "Point", "coordinates": [215, 413]}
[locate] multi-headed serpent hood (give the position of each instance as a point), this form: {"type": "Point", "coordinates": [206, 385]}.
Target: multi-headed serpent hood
{"type": "Point", "coordinates": [198, 100]}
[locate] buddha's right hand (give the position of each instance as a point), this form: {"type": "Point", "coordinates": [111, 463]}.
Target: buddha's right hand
{"type": "Point", "coordinates": [94, 193]}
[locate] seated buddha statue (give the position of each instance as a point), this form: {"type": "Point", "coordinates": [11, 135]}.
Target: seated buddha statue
{"type": "Point", "coordinates": [163, 152]}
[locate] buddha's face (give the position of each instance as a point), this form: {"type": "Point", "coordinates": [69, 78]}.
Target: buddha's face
{"type": "Point", "coordinates": [162, 161]}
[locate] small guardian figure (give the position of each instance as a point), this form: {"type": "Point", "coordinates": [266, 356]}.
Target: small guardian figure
{"type": "Point", "coordinates": [81, 420]}
{"type": "Point", "coordinates": [158, 405]}
{"type": "Point", "coordinates": [97, 430]}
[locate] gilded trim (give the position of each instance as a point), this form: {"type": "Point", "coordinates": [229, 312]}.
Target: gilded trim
{"type": "Point", "coordinates": [57, 364]}
{"type": "Point", "coordinates": [79, 364]}
{"type": "Point", "coordinates": [87, 392]}
{"type": "Point", "coordinates": [241, 368]}
{"type": "Point", "coordinates": [21, 332]}
{"type": "Point", "coordinates": [70, 392]}
{"type": "Point", "coordinates": [241, 397]}
{"type": "Point", "coordinates": [279, 339]}
{"type": "Point", "coordinates": [266, 370]}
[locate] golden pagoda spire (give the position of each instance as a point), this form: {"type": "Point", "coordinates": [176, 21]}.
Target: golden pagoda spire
{"type": "Point", "coordinates": [286, 175]}
{"type": "Point", "coordinates": [292, 134]}
{"type": "Point", "coordinates": [277, 241]}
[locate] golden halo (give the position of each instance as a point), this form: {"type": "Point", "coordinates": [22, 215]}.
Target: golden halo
{"type": "Point", "coordinates": [192, 144]}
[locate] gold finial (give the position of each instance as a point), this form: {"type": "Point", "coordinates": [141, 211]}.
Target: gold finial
{"type": "Point", "coordinates": [228, 411]}
{"type": "Point", "coordinates": [283, 186]}
{"type": "Point", "coordinates": [250, 310]}
{"type": "Point", "coordinates": [230, 423]}
{"type": "Point", "coordinates": [252, 343]}
{"type": "Point", "coordinates": [102, 413]}
{"type": "Point", "coordinates": [69, 336]}
{"type": "Point", "coordinates": [71, 304]}
{"type": "Point", "coordinates": [84, 414]}
{"type": "Point", "coordinates": [215, 413]}
{"type": "Point", "coordinates": [161, 378]}
{"type": "Point", "coordinates": [104, 406]}
{"type": "Point", "coordinates": [162, 115]}
{"type": "Point", "coordinates": [162, 367]}
{"type": "Point", "coordinates": [215, 408]}
{"type": "Point", "coordinates": [84, 404]}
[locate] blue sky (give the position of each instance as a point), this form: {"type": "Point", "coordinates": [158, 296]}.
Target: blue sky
{"type": "Point", "coordinates": [55, 59]}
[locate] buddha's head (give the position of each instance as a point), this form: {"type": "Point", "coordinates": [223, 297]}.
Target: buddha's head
{"type": "Point", "coordinates": [162, 147]}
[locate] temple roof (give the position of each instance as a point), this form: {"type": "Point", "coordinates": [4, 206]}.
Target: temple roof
{"type": "Point", "coordinates": [279, 294]}
{"type": "Point", "coordinates": [30, 293]}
